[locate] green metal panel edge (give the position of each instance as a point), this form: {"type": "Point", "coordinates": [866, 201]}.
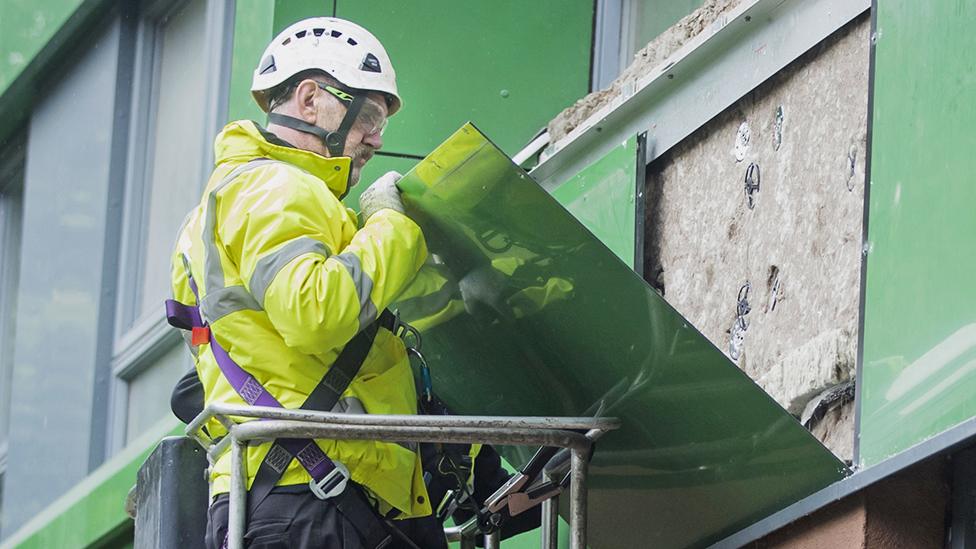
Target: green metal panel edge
{"type": "Point", "coordinates": [94, 509]}
{"type": "Point", "coordinates": [602, 197]}
{"type": "Point", "coordinates": [919, 325]}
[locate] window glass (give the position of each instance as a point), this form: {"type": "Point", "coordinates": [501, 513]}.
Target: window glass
{"type": "Point", "coordinates": [62, 309]}
{"type": "Point", "coordinates": [11, 206]}
{"type": "Point", "coordinates": [178, 147]}
{"type": "Point", "coordinates": [149, 392]}
{"type": "Point", "coordinates": [652, 17]}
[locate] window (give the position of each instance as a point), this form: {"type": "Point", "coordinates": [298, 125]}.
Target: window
{"type": "Point", "coordinates": [11, 208]}
{"type": "Point", "coordinates": [624, 27]}
{"type": "Point", "coordinates": [181, 68]}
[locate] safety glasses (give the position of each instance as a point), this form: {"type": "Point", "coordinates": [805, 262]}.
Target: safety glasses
{"type": "Point", "coordinates": [370, 119]}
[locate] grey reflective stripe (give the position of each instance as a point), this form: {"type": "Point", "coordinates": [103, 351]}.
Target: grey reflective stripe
{"type": "Point", "coordinates": [364, 287]}
{"type": "Point", "coordinates": [352, 405]}
{"type": "Point", "coordinates": [188, 339]}
{"type": "Point", "coordinates": [269, 265]}
{"type": "Point", "coordinates": [213, 270]}
{"type": "Point", "coordinates": [423, 306]}
{"type": "Point", "coordinates": [349, 405]}
{"type": "Point", "coordinates": [220, 303]}
{"type": "Point", "coordinates": [412, 446]}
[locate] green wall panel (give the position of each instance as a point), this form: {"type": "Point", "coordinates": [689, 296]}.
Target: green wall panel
{"type": "Point", "coordinates": [25, 28]}
{"type": "Point", "coordinates": [287, 12]}
{"type": "Point", "coordinates": [603, 198]}
{"type": "Point", "coordinates": [507, 65]}
{"type": "Point", "coordinates": [919, 362]}
{"type": "Point", "coordinates": [252, 32]}
{"type": "Point", "coordinates": [553, 323]}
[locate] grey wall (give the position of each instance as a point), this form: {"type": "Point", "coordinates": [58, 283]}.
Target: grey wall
{"type": "Point", "coordinates": [64, 307]}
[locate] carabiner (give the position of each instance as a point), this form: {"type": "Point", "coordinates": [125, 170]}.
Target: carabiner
{"type": "Point", "coordinates": [424, 373]}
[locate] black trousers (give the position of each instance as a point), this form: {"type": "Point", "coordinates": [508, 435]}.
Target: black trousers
{"type": "Point", "coordinates": [297, 519]}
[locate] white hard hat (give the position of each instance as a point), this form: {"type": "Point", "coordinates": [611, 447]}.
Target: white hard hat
{"type": "Point", "coordinates": [350, 53]}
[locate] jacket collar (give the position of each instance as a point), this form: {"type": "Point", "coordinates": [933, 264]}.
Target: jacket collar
{"type": "Point", "coordinates": [244, 140]}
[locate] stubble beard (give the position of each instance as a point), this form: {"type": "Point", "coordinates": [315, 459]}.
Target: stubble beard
{"type": "Point", "coordinates": [358, 153]}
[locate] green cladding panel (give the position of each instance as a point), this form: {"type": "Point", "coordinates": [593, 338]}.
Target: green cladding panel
{"type": "Point", "coordinates": [26, 26]}
{"type": "Point", "coordinates": [522, 63]}
{"type": "Point", "coordinates": [528, 313]}
{"type": "Point", "coordinates": [252, 32]}
{"type": "Point", "coordinates": [604, 198]}
{"type": "Point", "coordinates": [507, 65]}
{"type": "Point", "coordinates": [919, 363]}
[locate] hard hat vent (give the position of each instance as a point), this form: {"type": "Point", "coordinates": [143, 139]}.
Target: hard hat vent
{"type": "Point", "coordinates": [371, 64]}
{"type": "Point", "coordinates": [267, 65]}
{"type": "Point", "coordinates": [343, 49]}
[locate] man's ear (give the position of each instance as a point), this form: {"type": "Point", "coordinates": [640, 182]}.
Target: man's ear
{"type": "Point", "coordinates": [305, 100]}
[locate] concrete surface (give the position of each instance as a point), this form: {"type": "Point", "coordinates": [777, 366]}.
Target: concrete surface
{"type": "Point", "coordinates": [906, 511]}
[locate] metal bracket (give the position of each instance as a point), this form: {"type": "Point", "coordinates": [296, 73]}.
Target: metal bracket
{"type": "Point", "coordinates": [708, 74]}
{"type": "Point", "coordinates": [752, 184]}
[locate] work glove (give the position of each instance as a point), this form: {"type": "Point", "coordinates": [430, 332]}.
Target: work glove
{"type": "Point", "coordinates": [382, 194]}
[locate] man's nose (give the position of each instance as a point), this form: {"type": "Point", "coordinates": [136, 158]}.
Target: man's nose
{"type": "Point", "coordinates": [374, 140]}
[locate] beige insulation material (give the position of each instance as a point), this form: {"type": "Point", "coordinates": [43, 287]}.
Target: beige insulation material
{"type": "Point", "coordinates": [799, 248]}
{"type": "Point", "coordinates": [648, 58]}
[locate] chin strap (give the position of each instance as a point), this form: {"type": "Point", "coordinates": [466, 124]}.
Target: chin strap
{"type": "Point", "coordinates": [334, 141]}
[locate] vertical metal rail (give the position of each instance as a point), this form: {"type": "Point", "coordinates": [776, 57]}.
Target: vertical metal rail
{"type": "Point", "coordinates": [237, 513]}
{"type": "Point", "coordinates": [550, 522]}
{"type": "Point", "coordinates": [468, 542]}
{"type": "Point", "coordinates": [493, 540]}
{"type": "Point", "coordinates": [577, 500]}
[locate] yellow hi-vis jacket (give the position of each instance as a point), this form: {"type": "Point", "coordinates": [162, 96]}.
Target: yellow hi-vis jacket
{"type": "Point", "coordinates": [286, 279]}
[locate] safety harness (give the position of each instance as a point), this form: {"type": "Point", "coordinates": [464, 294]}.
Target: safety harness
{"type": "Point", "coordinates": [334, 141]}
{"type": "Point", "coordinates": [329, 478]}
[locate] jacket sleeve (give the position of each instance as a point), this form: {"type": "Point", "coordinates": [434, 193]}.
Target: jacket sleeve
{"type": "Point", "coordinates": [287, 230]}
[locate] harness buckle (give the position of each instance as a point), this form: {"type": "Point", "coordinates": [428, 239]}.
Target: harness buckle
{"type": "Point", "coordinates": [330, 487]}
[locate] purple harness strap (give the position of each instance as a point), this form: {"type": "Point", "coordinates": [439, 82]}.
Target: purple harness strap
{"type": "Point", "coordinates": [306, 451]}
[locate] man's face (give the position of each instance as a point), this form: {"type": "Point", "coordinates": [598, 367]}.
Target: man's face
{"type": "Point", "coordinates": [364, 138]}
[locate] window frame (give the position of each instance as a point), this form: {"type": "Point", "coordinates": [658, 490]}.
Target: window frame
{"type": "Point", "coordinates": [12, 166]}
{"type": "Point", "coordinates": [141, 339]}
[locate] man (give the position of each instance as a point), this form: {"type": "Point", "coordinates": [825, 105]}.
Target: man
{"type": "Point", "coordinates": [290, 287]}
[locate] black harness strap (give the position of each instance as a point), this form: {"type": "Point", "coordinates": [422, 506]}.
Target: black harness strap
{"type": "Point", "coordinates": [323, 398]}
{"type": "Point", "coordinates": [335, 141]}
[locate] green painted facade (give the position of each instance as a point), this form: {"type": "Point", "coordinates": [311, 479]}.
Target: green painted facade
{"type": "Point", "coordinates": [603, 197]}
{"type": "Point", "coordinates": [27, 27]}
{"type": "Point", "coordinates": [521, 65]}
{"type": "Point", "coordinates": [252, 32]}
{"type": "Point", "coordinates": [919, 365]}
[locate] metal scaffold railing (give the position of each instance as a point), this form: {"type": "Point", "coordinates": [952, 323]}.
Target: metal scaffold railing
{"type": "Point", "coordinates": [574, 434]}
